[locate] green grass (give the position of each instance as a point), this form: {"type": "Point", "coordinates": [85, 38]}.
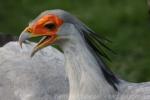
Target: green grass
{"type": "Point", "coordinates": [125, 22]}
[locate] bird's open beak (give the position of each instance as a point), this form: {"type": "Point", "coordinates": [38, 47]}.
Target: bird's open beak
{"type": "Point", "coordinates": [45, 41]}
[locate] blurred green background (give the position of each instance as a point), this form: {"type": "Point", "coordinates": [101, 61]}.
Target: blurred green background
{"type": "Point", "coordinates": [125, 22]}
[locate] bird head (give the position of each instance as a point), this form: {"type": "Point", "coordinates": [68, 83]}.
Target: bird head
{"type": "Point", "coordinates": [46, 25]}
{"type": "Point", "coordinates": [57, 25]}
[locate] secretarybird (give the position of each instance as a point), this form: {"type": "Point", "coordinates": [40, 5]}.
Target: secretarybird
{"type": "Point", "coordinates": [89, 78]}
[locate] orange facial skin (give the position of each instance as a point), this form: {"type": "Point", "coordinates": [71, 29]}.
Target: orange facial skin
{"type": "Point", "coordinates": [38, 29]}
{"type": "Point", "coordinates": [46, 26]}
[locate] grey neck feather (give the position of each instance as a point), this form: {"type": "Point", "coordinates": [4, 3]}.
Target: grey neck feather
{"type": "Point", "coordinates": [86, 79]}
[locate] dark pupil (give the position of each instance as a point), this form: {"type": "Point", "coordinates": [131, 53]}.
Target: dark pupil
{"type": "Point", "coordinates": [50, 26]}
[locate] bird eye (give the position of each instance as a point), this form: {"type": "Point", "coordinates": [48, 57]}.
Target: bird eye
{"type": "Point", "coordinates": [50, 26]}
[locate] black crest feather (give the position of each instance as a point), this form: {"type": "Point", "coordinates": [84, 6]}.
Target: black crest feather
{"type": "Point", "coordinates": [96, 44]}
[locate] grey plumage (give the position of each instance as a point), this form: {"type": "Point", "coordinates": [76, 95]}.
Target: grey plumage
{"type": "Point", "coordinates": [24, 78]}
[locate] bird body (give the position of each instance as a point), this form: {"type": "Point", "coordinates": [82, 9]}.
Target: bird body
{"type": "Point", "coordinates": [37, 79]}
{"type": "Point", "coordinates": [24, 78]}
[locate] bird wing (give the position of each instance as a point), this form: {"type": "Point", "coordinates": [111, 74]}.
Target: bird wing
{"type": "Point", "coordinates": [135, 91]}
{"type": "Point", "coordinates": [39, 78]}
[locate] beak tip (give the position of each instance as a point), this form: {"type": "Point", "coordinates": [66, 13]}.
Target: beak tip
{"type": "Point", "coordinates": [20, 43]}
{"type": "Point", "coordinates": [24, 36]}
{"type": "Point", "coordinates": [32, 54]}
{"type": "Point", "coordinates": [35, 49]}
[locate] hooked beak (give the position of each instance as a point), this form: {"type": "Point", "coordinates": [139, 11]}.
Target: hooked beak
{"type": "Point", "coordinates": [44, 42]}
